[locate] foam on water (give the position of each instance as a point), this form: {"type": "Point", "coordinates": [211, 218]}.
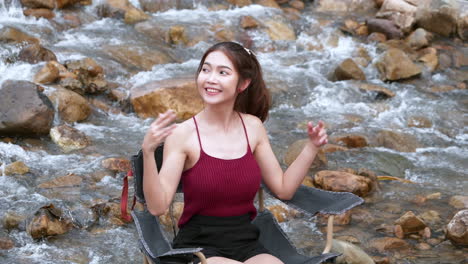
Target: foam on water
{"type": "Point", "coordinates": [161, 72]}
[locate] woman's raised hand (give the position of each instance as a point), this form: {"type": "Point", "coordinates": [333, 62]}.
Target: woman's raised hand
{"type": "Point", "coordinates": [159, 130]}
{"type": "Point", "coordinates": [317, 134]}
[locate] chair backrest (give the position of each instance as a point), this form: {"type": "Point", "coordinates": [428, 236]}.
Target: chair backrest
{"type": "Point", "coordinates": [137, 167]}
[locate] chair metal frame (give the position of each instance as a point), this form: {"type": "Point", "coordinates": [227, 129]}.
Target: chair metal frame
{"type": "Point", "coordinates": [304, 200]}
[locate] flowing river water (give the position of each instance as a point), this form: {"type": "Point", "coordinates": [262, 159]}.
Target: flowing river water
{"type": "Point", "coordinates": [303, 90]}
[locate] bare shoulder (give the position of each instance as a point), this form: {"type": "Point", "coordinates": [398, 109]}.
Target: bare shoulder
{"type": "Point", "coordinates": [255, 129]}
{"type": "Point", "coordinates": [253, 123]}
{"type": "Point", "coordinates": [180, 135]}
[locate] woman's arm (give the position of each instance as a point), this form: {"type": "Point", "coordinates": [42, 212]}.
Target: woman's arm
{"type": "Point", "coordinates": [159, 187]}
{"type": "Point", "coordinates": [284, 185]}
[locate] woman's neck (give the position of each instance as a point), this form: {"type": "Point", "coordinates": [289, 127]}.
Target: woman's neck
{"type": "Point", "coordinates": [220, 117]}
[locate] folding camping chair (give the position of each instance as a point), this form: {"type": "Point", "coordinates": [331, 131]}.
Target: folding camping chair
{"type": "Point", "coordinates": [156, 247]}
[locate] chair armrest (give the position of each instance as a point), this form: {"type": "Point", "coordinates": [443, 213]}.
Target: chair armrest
{"type": "Point", "coordinates": [312, 200]}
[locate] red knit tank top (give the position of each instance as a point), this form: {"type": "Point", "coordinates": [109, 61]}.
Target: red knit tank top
{"type": "Point", "coordinates": [220, 187]}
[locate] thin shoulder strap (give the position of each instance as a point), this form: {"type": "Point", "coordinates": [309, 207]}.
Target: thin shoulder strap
{"type": "Point", "coordinates": [198, 132]}
{"type": "Point", "coordinates": [245, 130]}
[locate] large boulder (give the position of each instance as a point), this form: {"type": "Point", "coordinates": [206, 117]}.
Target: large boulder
{"type": "Point", "coordinates": [11, 34]}
{"type": "Point", "coordinates": [69, 138]}
{"type": "Point", "coordinates": [410, 223]}
{"type": "Point", "coordinates": [181, 95]}
{"type": "Point", "coordinates": [440, 16]}
{"type": "Point", "coordinates": [24, 110]}
{"type": "Point", "coordinates": [397, 141]}
{"type": "Point", "coordinates": [35, 53]}
{"type": "Point", "coordinates": [71, 106]}
{"type": "Point", "coordinates": [400, 12]}
{"type": "Point", "coordinates": [349, 70]}
{"type": "Point", "coordinates": [339, 181]}
{"type": "Point", "coordinates": [295, 149]}
{"type": "Point", "coordinates": [394, 65]}
{"type": "Point", "coordinates": [457, 229]}
{"type": "Point", "coordinates": [142, 58]}
{"type": "Point", "coordinates": [48, 221]}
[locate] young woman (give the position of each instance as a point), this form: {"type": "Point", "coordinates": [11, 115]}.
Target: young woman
{"type": "Point", "coordinates": [221, 155]}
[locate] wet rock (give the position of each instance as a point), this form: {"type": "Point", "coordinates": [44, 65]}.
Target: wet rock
{"type": "Point", "coordinates": [118, 95]}
{"type": "Point", "coordinates": [384, 26]}
{"type": "Point", "coordinates": [339, 181]}
{"type": "Point", "coordinates": [381, 260]}
{"type": "Point", "coordinates": [377, 37]}
{"type": "Point", "coordinates": [388, 243]}
{"type": "Point", "coordinates": [117, 164]}
{"type": "Point", "coordinates": [11, 34]}
{"type": "Point", "coordinates": [291, 13]}
{"type": "Point", "coordinates": [49, 4]}
{"type": "Point", "coordinates": [400, 12]}
{"type": "Point", "coordinates": [344, 5]}
{"type": "Point", "coordinates": [381, 92]}
{"type": "Point", "coordinates": [419, 121]}
{"type": "Point", "coordinates": [278, 30]}
{"type": "Point", "coordinates": [71, 106]}
{"type": "Point", "coordinates": [429, 57]}
{"type": "Point", "coordinates": [143, 58]}
{"type": "Point", "coordinates": [299, 5]}
{"type": "Point", "coordinates": [154, 6]}
{"type": "Point", "coordinates": [420, 38]}
{"type": "Point", "coordinates": [36, 53]}
{"type": "Point", "coordinates": [48, 221]}
{"type": "Point", "coordinates": [12, 220]}
{"type": "Point", "coordinates": [6, 243]}
{"type": "Point", "coordinates": [109, 211]}
{"type": "Point", "coordinates": [268, 3]}
{"type": "Point", "coordinates": [423, 246]}
{"type": "Point", "coordinates": [248, 22]}
{"type": "Point", "coordinates": [351, 140]}
{"type": "Point", "coordinates": [154, 98]}
{"type": "Point", "coordinates": [84, 217]}
{"type": "Point", "coordinates": [39, 12]}
{"type": "Point", "coordinates": [295, 149]}
{"type": "Point", "coordinates": [69, 138]}
{"type": "Point", "coordinates": [463, 26]}
{"type": "Point", "coordinates": [394, 65]}
{"type": "Point", "coordinates": [459, 201]}
{"type": "Point", "coordinates": [397, 141]}
{"type": "Point", "coordinates": [431, 217]}
{"type": "Point", "coordinates": [328, 148]}
{"type": "Point", "coordinates": [438, 16]}
{"type": "Point", "coordinates": [135, 15]}
{"type": "Point", "coordinates": [114, 8]}
{"type": "Point", "coordinates": [460, 57]}
{"type": "Point", "coordinates": [349, 70]}
{"type": "Point", "coordinates": [457, 229]}
{"type": "Point", "coordinates": [282, 213]}
{"type": "Point", "coordinates": [63, 181]}
{"type": "Point", "coordinates": [24, 110]}
{"type": "Point", "coordinates": [47, 74]}
{"type": "Point", "coordinates": [240, 3]}
{"type": "Point", "coordinates": [341, 219]}
{"type": "Point", "coordinates": [410, 223]}
{"type": "Point", "coordinates": [308, 181]}
{"type": "Point", "coordinates": [17, 167]}
{"type": "Point", "coordinates": [87, 65]}
{"type": "Point", "coordinates": [351, 254]}
{"type": "Point", "coordinates": [434, 196]}
{"type": "Point", "coordinates": [176, 35]}
{"type": "Point", "coordinates": [89, 74]}
{"type": "Point", "coordinates": [178, 208]}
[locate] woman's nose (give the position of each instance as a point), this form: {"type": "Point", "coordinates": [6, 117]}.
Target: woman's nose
{"type": "Point", "coordinates": [212, 77]}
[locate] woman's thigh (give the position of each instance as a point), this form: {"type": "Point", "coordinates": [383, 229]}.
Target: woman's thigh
{"type": "Point", "coordinates": [263, 259]}
{"type": "Point", "coordinates": [221, 260]}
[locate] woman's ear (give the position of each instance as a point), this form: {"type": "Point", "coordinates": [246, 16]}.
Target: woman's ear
{"type": "Point", "coordinates": [243, 85]}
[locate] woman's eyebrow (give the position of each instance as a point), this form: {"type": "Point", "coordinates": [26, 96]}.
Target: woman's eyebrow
{"type": "Point", "coordinates": [220, 66]}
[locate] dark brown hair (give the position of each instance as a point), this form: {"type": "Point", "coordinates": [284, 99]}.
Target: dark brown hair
{"type": "Point", "coordinates": [256, 99]}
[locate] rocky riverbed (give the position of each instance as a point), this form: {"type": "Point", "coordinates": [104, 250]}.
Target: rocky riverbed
{"type": "Point", "coordinates": [80, 82]}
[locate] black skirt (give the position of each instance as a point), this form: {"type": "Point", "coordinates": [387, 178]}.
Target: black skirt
{"type": "Point", "coordinates": [230, 237]}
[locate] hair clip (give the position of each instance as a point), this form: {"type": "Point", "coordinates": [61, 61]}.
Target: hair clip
{"type": "Point", "coordinates": [249, 51]}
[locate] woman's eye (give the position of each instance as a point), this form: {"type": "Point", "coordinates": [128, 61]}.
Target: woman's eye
{"type": "Point", "coordinates": [223, 73]}
{"type": "Point", "coordinates": [205, 70]}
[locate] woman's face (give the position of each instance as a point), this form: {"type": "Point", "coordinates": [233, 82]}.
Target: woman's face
{"type": "Point", "coordinates": [218, 80]}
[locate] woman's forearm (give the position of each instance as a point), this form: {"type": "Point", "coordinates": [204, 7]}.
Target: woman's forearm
{"type": "Point", "coordinates": [297, 171]}
{"type": "Point", "coordinates": [153, 189]}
